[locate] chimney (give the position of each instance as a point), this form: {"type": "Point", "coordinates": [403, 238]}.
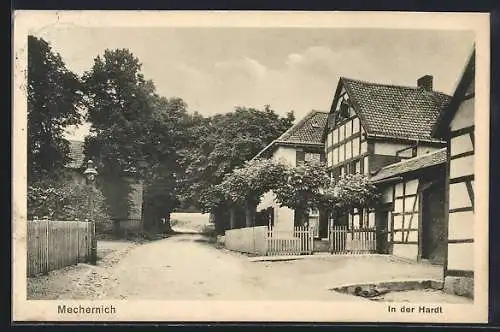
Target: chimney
{"type": "Point", "coordinates": [425, 82]}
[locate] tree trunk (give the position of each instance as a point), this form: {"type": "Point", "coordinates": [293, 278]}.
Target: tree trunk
{"type": "Point", "coordinates": [167, 227]}
{"type": "Point", "coordinates": [300, 217]}
{"type": "Point", "coordinates": [232, 217]}
{"type": "Point", "coordinates": [250, 214]}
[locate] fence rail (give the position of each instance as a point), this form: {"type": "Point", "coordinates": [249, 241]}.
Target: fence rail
{"type": "Point", "coordinates": [52, 245]}
{"type": "Point", "coordinates": [352, 241]}
{"type": "Point", "coordinates": [298, 241]}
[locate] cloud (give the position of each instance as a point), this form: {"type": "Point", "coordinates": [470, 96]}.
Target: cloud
{"type": "Point", "coordinates": [304, 81]}
{"type": "Point", "coordinates": [248, 67]}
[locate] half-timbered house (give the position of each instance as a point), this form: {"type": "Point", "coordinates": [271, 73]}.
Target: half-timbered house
{"type": "Point", "coordinates": [372, 125]}
{"type": "Point", "coordinates": [456, 126]}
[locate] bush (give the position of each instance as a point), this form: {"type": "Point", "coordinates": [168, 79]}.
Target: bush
{"type": "Point", "coordinates": [209, 230]}
{"type": "Point", "coordinates": [66, 200]}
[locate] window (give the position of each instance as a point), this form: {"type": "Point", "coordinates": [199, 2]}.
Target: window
{"type": "Point", "coordinates": [409, 152]}
{"type": "Point", "coordinates": [358, 166]}
{"type": "Point", "coordinates": [312, 157]}
{"type": "Point", "coordinates": [357, 218]}
{"type": "Point", "coordinates": [342, 171]}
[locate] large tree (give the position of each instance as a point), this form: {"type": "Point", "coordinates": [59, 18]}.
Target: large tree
{"type": "Point", "coordinates": [54, 96]}
{"type": "Point", "coordinates": [134, 133]}
{"type": "Point", "coordinates": [120, 109]}
{"type": "Point", "coordinates": [222, 142]}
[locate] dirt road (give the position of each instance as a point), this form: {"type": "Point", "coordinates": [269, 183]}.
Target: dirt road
{"type": "Point", "coordinates": [187, 267]}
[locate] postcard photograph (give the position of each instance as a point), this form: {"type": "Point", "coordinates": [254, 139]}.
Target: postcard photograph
{"type": "Point", "coordinates": [250, 166]}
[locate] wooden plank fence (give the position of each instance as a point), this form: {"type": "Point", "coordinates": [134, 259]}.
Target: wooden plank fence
{"type": "Point", "coordinates": [298, 241]}
{"type": "Point", "coordinates": [352, 241]}
{"type": "Point", "coordinates": [52, 245]}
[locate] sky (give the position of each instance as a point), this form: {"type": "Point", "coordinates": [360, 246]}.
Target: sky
{"type": "Point", "coordinates": [214, 69]}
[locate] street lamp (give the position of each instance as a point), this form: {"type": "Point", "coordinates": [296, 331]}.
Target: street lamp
{"type": "Point", "coordinates": [90, 174]}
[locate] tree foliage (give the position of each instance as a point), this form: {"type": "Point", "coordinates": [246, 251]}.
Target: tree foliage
{"type": "Point", "coordinates": [120, 110]}
{"type": "Point", "coordinates": [304, 188]}
{"type": "Point", "coordinates": [355, 191]}
{"type": "Point", "coordinates": [222, 142]}
{"type": "Point", "coordinates": [134, 131]}
{"type": "Point", "coordinates": [66, 200]}
{"type": "Point", "coordinates": [54, 98]}
{"type": "Point", "coordinates": [247, 184]}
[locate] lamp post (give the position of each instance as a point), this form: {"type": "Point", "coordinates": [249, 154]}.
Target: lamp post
{"type": "Point", "coordinates": [90, 174]}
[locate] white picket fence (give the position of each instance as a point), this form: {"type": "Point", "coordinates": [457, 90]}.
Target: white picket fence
{"type": "Point", "coordinates": [298, 241]}
{"type": "Point", "coordinates": [52, 245]}
{"type": "Point", "coordinates": [352, 241]}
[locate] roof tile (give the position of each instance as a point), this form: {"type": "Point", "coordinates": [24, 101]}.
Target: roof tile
{"type": "Point", "coordinates": [308, 130]}
{"type": "Point", "coordinates": [396, 111]}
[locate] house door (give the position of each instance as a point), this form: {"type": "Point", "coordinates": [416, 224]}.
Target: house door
{"type": "Point", "coordinates": [433, 228]}
{"type": "Point", "coordinates": [381, 226]}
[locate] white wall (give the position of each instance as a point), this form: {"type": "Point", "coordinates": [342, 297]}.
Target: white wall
{"type": "Point", "coordinates": [388, 149]}
{"type": "Point", "coordinates": [286, 153]}
{"type": "Point", "coordinates": [461, 256]}
{"type": "Point", "coordinates": [248, 240]}
{"type": "Point", "coordinates": [461, 225]}
{"type": "Point", "coordinates": [283, 218]}
{"type": "Point", "coordinates": [464, 116]}
{"type": "Point", "coordinates": [409, 251]}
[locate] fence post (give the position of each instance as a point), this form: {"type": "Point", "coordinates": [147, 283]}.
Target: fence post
{"type": "Point", "coordinates": [77, 241]}
{"type": "Point", "coordinates": [93, 244]}
{"type": "Point", "coordinates": [47, 261]}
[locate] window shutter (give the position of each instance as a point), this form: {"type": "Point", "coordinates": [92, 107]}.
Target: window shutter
{"type": "Point", "coordinates": [300, 157]}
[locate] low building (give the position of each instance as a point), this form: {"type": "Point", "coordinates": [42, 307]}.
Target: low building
{"type": "Point", "coordinates": [456, 126]}
{"type": "Point", "coordinates": [130, 220]}
{"type": "Point", "coordinates": [411, 219]}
